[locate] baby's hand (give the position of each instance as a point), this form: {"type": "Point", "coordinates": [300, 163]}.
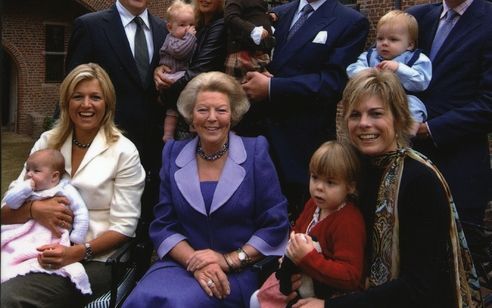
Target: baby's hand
{"type": "Point", "coordinates": [31, 183]}
{"type": "Point", "coordinates": [192, 30]}
{"type": "Point", "coordinates": [388, 65]}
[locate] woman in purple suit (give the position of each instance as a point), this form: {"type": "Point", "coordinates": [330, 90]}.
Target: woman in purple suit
{"type": "Point", "coordinates": [220, 208]}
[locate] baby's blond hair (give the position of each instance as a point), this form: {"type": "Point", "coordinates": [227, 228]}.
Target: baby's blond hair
{"type": "Point", "coordinates": [177, 7]}
{"type": "Point", "coordinates": [399, 17]}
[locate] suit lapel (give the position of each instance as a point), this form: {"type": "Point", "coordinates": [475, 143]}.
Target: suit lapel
{"type": "Point", "coordinates": [116, 36]}
{"type": "Point", "coordinates": [233, 174]}
{"type": "Point", "coordinates": [98, 146]}
{"type": "Point", "coordinates": [231, 178]}
{"type": "Point", "coordinates": [466, 25]}
{"type": "Point", "coordinates": [282, 31]}
{"type": "Point", "coordinates": [187, 179]}
{"type": "Point", "coordinates": [158, 35]}
{"type": "Point", "coordinates": [428, 27]}
{"type": "Point", "coordinates": [319, 20]}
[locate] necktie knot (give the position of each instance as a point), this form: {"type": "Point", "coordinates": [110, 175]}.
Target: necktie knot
{"type": "Point", "coordinates": [307, 9]}
{"type": "Point", "coordinates": [139, 21]}
{"type": "Point", "coordinates": [450, 15]}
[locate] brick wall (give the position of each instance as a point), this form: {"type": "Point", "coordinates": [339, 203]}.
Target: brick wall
{"type": "Point", "coordinates": [374, 9]}
{"type": "Point", "coordinates": [23, 39]}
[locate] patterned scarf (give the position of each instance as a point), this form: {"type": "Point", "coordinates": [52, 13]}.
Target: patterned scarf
{"type": "Point", "coordinates": [385, 260]}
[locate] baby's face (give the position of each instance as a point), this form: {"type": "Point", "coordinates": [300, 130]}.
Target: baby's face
{"type": "Point", "coordinates": [181, 23]}
{"type": "Point", "coordinates": [393, 40]}
{"type": "Point", "coordinates": [41, 174]}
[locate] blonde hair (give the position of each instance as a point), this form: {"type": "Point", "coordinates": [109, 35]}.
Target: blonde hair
{"type": "Point", "coordinates": [177, 7]}
{"type": "Point", "coordinates": [200, 19]}
{"type": "Point", "coordinates": [397, 17]}
{"type": "Point", "coordinates": [51, 158]}
{"type": "Point", "coordinates": [334, 159]}
{"type": "Point", "coordinates": [386, 86]}
{"type": "Point", "coordinates": [214, 82]}
{"type": "Point", "coordinates": [85, 72]}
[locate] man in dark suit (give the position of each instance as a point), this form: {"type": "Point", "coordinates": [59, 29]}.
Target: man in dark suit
{"type": "Point", "coordinates": [108, 39]}
{"type": "Point", "coordinates": [308, 76]}
{"type": "Point", "coordinates": [459, 99]}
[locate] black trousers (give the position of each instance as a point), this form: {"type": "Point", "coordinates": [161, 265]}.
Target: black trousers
{"type": "Point", "coordinates": [53, 291]}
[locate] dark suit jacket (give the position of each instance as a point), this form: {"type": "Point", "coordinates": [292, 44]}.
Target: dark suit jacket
{"type": "Point", "coordinates": [309, 78]}
{"type": "Point", "coordinates": [459, 101]}
{"type": "Point", "coordinates": [100, 38]}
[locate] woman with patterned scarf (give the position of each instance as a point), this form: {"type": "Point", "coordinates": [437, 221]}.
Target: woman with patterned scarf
{"type": "Point", "coordinates": [418, 256]}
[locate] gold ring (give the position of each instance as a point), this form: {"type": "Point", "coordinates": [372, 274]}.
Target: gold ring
{"type": "Point", "coordinates": [210, 283]}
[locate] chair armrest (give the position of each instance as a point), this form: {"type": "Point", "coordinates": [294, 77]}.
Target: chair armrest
{"type": "Point", "coordinates": [266, 263]}
{"type": "Point", "coordinates": [120, 252]}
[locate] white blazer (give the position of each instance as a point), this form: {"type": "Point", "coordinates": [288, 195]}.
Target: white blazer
{"type": "Point", "coordinates": [110, 179]}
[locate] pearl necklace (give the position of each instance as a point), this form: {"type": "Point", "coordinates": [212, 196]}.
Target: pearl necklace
{"type": "Point", "coordinates": [80, 145]}
{"type": "Point", "coordinates": [213, 156]}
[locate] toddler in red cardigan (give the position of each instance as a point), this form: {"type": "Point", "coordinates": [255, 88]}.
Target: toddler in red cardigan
{"type": "Point", "coordinates": [327, 241]}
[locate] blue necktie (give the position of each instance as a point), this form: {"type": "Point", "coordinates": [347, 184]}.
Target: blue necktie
{"type": "Point", "coordinates": [442, 32]}
{"type": "Point", "coordinates": [304, 16]}
{"type": "Point", "coordinates": [141, 50]}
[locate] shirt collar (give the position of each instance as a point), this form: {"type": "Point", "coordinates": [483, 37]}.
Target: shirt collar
{"type": "Point", "coordinates": [460, 9]}
{"type": "Point", "coordinates": [127, 17]}
{"type": "Point", "coordinates": [315, 4]}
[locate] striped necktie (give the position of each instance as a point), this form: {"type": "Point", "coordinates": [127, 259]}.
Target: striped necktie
{"type": "Point", "coordinates": [442, 32]}
{"type": "Point", "coordinates": [302, 19]}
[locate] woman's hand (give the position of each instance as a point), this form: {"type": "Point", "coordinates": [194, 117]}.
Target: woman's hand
{"type": "Point", "coordinates": [202, 258]}
{"type": "Point", "coordinates": [300, 245]}
{"type": "Point", "coordinates": [55, 256]}
{"type": "Point", "coordinates": [53, 213]}
{"type": "Point", "coordinates": [213, 281]}
{"type": "Point", "coordinates": [310, 302]}
{"type": "Point", "coordinates": [160, 78]}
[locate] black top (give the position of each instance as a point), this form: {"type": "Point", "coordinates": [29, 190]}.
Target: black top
{"type": "Point", "coordinates": [424, 219]}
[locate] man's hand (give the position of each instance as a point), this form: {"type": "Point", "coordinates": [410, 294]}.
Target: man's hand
{"type": "Point", "coordinates": [256, 86]}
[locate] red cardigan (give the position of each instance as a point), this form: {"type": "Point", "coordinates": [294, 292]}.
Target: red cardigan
{"type": "Point", "coordinates": [342, 238]}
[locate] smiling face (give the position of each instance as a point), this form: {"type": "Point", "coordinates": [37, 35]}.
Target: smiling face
{"type": "Point", "coordinates": [371, 127]}
{"type": "Point", "coordinates": [212, 119]}
{"type": "Point", "coordinates": [181, 22]}
{"type": "Point", "coordinates": [329, 193]}
{"type": "Point", "coordinates": [392, 40]}
{"type": "Point", "coordinates": [87, 108]}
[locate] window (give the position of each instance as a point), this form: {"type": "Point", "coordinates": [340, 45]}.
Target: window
{"type": "Point", "coordinates": [54, 53]}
